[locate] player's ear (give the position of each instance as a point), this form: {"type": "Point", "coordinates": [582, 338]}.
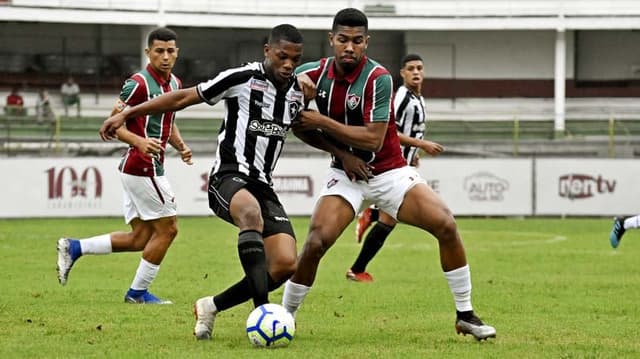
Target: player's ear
{"type": "Point", "coordinates": [330, 38]}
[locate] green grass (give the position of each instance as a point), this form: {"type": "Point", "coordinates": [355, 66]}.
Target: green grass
{"type": "Point", "coordinates": [553, 289]}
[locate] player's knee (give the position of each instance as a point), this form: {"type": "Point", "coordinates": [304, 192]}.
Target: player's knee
{"type": "Point", "coordinates": [448, 230]}
{"type": "Point", "coordinates": [248, 217]}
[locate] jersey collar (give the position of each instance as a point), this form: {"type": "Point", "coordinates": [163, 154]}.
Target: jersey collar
{"type": "Point", "coordinates": [350, 77]}
{"type": "Point", "coordinates": [156, 76]}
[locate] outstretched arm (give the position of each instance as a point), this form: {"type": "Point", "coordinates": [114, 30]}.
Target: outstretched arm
{"type": "Point", "coordinates": [369, 137]}
{"type": "Point", "coordinates": [171, 101]}
{"type": "Point", "coordinates": [430, 147]}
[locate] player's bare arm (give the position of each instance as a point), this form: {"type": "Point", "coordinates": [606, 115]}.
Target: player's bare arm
{"type": "Point", "coordinates": [354, 167]}
{"type": "Point", "coordinates": [430, 147]}
{"type": "Point", "coordinates": [307, 86]}
{"type": "Point", "coordinates": [150, 146]}
{"type": "Point", "coordinates": [176, 141]}
{"type": "Point", "coordinates": [168, 102]}
{"type": "Point", "coordinates": [369, 137]}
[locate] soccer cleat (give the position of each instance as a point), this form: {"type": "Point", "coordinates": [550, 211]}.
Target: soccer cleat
{"type": "Point", "coordinates": [65, 260]}
{"type": "Point", "coordinates": [617, 232]}
{"type": "Point", "coordinates": [143, 297]}
{"type": "Point", "coordinates": [359, 277]}
{"type": "Point", "coordinates": [205, 313]}
{"type": "Point", "coordinates": [474, 326]}
{"type": "Point", "coordinates": [364, 221]}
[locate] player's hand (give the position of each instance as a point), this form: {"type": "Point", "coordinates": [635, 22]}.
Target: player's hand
{"type": "Point", "coordinates": [355, 168]}
{"type": "Point", "coordinates": [110, 125]}
{"type": "Point", "coordinates": [432, 148]}
{"type": "Point", "coordinates": [307, 86]}
{"type": "Point", "coordinates": [151, 147]}
{"type": "Point", "coordinates": [186, 154]}
{"type": "Point", "coordinates": [308, 120]}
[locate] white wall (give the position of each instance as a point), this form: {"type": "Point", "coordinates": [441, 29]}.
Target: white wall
{"type": "Point", "coordinates": [490, 54]}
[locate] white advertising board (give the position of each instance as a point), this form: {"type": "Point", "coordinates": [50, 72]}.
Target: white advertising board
{"type": "Point", "coordinates": [481, 186]}
{"type": "Point", "coordinates": [587, 187]}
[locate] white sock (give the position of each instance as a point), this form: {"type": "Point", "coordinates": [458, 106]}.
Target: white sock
{"type": "Point", "coordinates": [293, 296]}
{"type": "Point", "coordinates": [632, 222]}
{"type": "Point", "coordinates": [96, 245]}
{"type": "Point", "coordinates": [145, 274]}
{"type": "Point", "coordinates": [460, 284]}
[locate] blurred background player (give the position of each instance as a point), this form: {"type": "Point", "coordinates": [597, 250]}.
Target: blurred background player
{"type": "Point", "coordinates": [15, 103]}
{"type": "Point", "coordinates": [262, 99]}
{"type": "Point", "coordinates": [410, 120]}
{"type": "Point", "coordinates": [620, 225]}
{"type": "Point", "coordinates": [70, 92]}
{"type": "Point", "coordinates": [149, 201]}
{"type": "Point", "coordinates": [354, 101]}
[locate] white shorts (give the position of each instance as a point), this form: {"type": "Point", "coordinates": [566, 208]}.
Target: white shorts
{"type": "Point", "coordinates": [386, 190]}
{"type": "Point", "coordinates": [147, 198]}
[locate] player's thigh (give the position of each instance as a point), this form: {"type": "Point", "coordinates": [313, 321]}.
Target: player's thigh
{"type": "Point", "coordinates": [165, 226]}
{"type": "Point", "coordinates": [423, 208]}
{"type": "Point", "coordinates": [331, 215]}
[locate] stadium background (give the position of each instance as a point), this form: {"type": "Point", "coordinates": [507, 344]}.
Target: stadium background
{"type": "Point", "coordinates": [526, 79]}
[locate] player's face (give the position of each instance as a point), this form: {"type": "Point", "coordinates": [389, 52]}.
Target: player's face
{"type": "Point", "coordinates": [412, 74]}
{"type": "Point", "coordinates": [281, 59]}
{"type": "Point", "coordinates": [162, 56]}
{"type": "Point", "coordinates": [349, 46]}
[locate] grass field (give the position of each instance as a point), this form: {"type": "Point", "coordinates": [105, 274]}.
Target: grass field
{"type": "Point", "coordinates": [553, 288]}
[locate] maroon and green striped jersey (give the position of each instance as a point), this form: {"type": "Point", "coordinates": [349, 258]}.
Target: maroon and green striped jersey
{"type": "Point", "coordinates": [137, 89]}
{"type": "Point", "coordinates": [362, 96]}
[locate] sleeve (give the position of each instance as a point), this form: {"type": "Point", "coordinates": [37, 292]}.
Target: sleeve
{"type": "Point", "coordinates": [377, 107]}
{"type": "Point", "coordinates": [400, 103]}
{"type": "Point", "coordinates": [133, 92]}
{"type": "Point", "coordinates": [223, 85]}
{"type": "Point", "coordinates": [312, 69]}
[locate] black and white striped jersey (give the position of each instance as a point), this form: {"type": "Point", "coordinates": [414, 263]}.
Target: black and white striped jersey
{"type": "Point", "coordinates": [257, 118]}
{"type": "Point", "coordinates": [410, 118]}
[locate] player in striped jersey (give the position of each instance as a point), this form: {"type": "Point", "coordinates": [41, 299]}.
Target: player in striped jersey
{"type": "Point", "coordinates": [262, 99]}
{"type": "Point", "coordinates": [355, 112]}
{"type": "Point", "coordinates": [410, 117]}
{"type": "Point", "coordinates": [149, 202]}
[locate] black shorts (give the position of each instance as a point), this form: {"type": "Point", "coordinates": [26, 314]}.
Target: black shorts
{"type": "Point", "coordinates": [223, 186]}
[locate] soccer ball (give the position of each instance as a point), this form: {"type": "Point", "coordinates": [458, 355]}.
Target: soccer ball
{"type": "Point", "coordinates": [271, 326]}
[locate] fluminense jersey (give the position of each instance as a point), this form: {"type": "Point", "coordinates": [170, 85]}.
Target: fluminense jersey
{"type": "Point", "coordinates": [410, 118]}
{"type": "Point", "coordinates": [139, 88]}
{"type": "Point", "coordinates": [362, 96]}
{"type": "Point", "coordinates": [257, 118]}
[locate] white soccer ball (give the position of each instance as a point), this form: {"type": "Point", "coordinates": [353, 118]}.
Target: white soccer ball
{"type": "Point", "coordinates": [271, 326]}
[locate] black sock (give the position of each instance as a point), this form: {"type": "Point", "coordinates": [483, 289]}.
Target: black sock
{"type": "Point", "coordinates": [239, 293]}
{"type": "Point", "coordinates": [375, 214]}
{"type": "Point", "coordinates": [372, 244]}
{"type": "Point", "coordinates": [254, 263]}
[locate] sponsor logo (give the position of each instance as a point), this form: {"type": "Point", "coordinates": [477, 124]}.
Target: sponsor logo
{"type": "Point", "coordinates": [293, 185]}
{"type": "Point", "coordinates": [294, 96]}
{"type": "Point", "coordinates": [332, 182]}
{"type": "Point", "coordinates": [353, 101]}
{"type": "Point", "coordinates": [582, 186]}
{"type": "Point", "coordinates": [258, 85]}
{"type": "Point", "coordinates": [322, 93]}
{"type": "Point", "coordinates": [418, 128]}
{"type": "Point", "coordinates": [485, 187]}
{"type": "Point", "coordinates": [69, 187]}
{"type": "Point", "coordinates": [239, 180]}
{"type": "Point", "coordinates": [268, 129]}
{"type": "Point", "coordinates": [261, 104]}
